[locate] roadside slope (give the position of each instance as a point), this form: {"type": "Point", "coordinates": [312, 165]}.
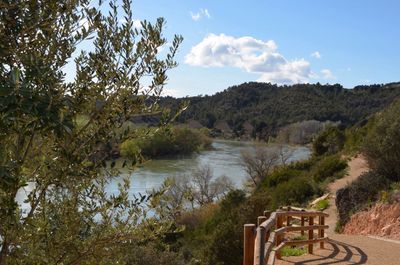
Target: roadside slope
{"type": "Point", "coordinates": [349, 249]}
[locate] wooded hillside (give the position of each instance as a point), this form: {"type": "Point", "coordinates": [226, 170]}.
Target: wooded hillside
{"type": "Point", "coordinates": [269, 107]}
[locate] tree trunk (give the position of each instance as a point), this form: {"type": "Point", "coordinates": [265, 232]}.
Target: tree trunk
{"type": "Point", "coordinates": [4, 252]}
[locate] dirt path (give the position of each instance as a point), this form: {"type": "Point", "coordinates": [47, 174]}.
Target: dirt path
{"type": "Point", "coordinates": [347, 249]}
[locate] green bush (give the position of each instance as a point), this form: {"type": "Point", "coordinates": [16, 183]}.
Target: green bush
{"type": "Point", "coordinates": [296, 191]}
{"type": "Point", "coordinates": [356, 136]}
{"type": "Point", "coordinates": [293, 251]}
{"type": "Point", "coordinates": [281, 175]}
{"type": "Point", "coordinates": [329, 142]}
{"type": "Point", "coordinates": [383, 143]}
{"type": "Point", "coordinates": [150, 253]}
{"type": "Point", "coordinates": [130, 149]}
{"type": "Point", "coordinates": [186, 140]}
{"type": "Point", "coordinates": [218, 238]}
{"type": "Point", "coordinates": [330, 166]}
{"type": "Point", "coordinates": [321, 205]}
{"type": "Point", "coordinates": [166, 141]}
{"type": "Point", "coordinates": [303, 165]}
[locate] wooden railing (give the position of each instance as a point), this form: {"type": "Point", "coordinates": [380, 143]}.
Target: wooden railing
{"type": "Point", "coordinates": [263, 243]}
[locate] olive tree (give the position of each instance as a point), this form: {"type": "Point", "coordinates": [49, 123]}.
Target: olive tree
{"type": "Point", "coordinates": [50, 130]}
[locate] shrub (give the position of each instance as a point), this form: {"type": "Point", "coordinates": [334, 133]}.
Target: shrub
{"type": "Point", "coordinates": [166, 141]}
{"type": "Point", "coordinates": [383, 143]}
{"type": "Point", "coordinates": [281, 175]}
{"type": "Point", "coordinates": [329, 142]}
{"type": "Point", "coordinates": [293, 192]}
{"type": "Point", "coordinates": [293, 251]}
{"type": "Point", "coordinates": [329, 166]}
{"type": "Point", "coordinates": [356, 196]}
{"type": "Point", "coordinates": [150, 253]}
{"type": "Point", "coordinates": [186, 140]}
{"type": "Point", "coordinates": [130, 149]}
{"type": "Point", "coordinates": [303, 165]}
{"type": "Point", "coordinates": [198, 216]}
{"type": "Point", "coordinates": [356, 135]}
{"type": "Point", "coordinates": [217, 239]}
{"type": "Point", "coordinates": [321, 205]}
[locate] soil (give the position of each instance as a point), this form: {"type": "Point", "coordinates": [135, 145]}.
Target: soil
{"type": "Point", "coordinates": [349, 249]}
{"type": "Point", "coordinates": [381, 220]}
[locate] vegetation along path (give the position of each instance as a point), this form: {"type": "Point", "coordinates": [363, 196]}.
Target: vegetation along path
{"type": "Point", "coordinates": [349, 249]}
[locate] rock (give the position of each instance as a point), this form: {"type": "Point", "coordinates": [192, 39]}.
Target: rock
{"type": "Point", "coordinates": [380, 220]}
{"type": "Point", "coordinates": [387, 229]}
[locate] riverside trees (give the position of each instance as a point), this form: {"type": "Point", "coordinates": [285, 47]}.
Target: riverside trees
{"type": "Point", "coordinates": [70, 218]}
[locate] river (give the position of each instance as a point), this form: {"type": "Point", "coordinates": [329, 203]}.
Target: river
{"type": "Point", "coordinates": [223, 159]}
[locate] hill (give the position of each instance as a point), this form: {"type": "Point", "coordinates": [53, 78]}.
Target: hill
{"type": "Point", "coordinates": [268, 107]}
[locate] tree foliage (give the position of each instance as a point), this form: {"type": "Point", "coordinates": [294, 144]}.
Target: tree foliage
{"type": "Point", "coordinates": [329, 142]}
{"type": "Point", "coordinates": [269, 107]}
{"type": "Point", "coordinates": [165, 141]}
{"type": "Point", "coordinates": [382, 143]}
{"type": "Point", "coordinates": [68, 217]}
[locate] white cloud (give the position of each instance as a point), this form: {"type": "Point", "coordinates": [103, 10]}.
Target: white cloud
{"type": "Point", "coordinates": [203, 12]}
{"type": "Point", "coordinates": [163, 47]}
{"type": "Point", "coordinates": [251, 55]}
{"type": "Point", "coordinates": [316, 54]}
{"type": "Point", "coordinates": [171, 92]}
{"type": "Point", "coordinates": [327, 74]}
{"type": "Point", "coordinates": [137, 23]}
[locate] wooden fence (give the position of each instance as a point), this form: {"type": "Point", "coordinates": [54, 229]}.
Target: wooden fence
{"type": "Point", "coordinates": [262, 243]}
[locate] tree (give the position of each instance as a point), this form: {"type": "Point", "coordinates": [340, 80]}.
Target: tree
{"type": "Point", "coordinates": [70, 218]}
{"type": "Point", "coordinates": [260, 163]}
{"type": "Point", "coordinates": [382, 144]}
{"type": "Point", "coordinates": [204, 189]}
{"type": "Point", "coordinates": [329, 141]}
{"type": "Point", "coordinates": [197, 189]}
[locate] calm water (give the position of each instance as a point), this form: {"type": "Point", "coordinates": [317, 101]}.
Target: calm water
{"type": "Point", "coordinates": [224, 159]}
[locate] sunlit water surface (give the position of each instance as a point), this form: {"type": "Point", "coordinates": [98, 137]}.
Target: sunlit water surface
{"type": "Point", "coordinates": [223, 159]}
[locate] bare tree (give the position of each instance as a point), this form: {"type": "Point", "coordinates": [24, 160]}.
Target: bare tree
{"type": "Point", "coordinates": [199, 188]}
{"type": "Point", "coordinates": [285, 153]}
{"type": "Point", "coordinates": [178, 191]}
{"type": "Point", "coordinates": [205, 189]}
{"type": "Point", "coordinates": [259, 164]}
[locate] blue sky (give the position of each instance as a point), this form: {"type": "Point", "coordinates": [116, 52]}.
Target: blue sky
{"type": "Point", "coordinates": [350, 42]}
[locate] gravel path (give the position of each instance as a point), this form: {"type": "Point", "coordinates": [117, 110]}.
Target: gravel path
{"type": "Point", "coordinates": [349, 249]}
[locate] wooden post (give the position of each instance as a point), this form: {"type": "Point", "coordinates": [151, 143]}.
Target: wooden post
{"type": "Point", "coordinates": [302, 224]}
{"type": "Point", "coordinates": [279, 239]}
{"type": "Point", "coordinates": [310, 234]}
{"type": "Point", "coordinates": [321, 231]}
{"type": "Point", "coordinates": [261, 219]}
{"type": "Point", "coordinates": [259, 248]}
{"type": "Point", "coordinates": [289, 217]}
{"type": "Point", "coordinates": [248, 244]}
{"type": "Point", "coordinates": [267, 214]}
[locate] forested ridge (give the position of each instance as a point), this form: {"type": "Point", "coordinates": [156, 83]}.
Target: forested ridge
{"type": "Point", "coordinates": [269, 107]}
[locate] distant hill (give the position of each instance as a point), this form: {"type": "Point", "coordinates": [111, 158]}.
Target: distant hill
{"type": "Point", "coordinates": [268, 107]}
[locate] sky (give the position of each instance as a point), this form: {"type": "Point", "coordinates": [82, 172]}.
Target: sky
{"type": "Point", "coordinates": [350, 42]}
